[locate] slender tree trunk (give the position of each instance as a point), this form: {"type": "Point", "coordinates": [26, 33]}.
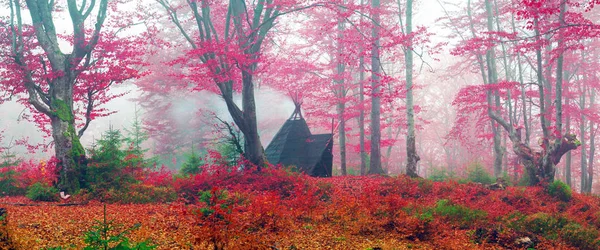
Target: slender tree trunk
{"type": "Point", "coordinates": [590, 174]}
{"type": "Point", "coordinates": [361, 116]}
{"type": "Point", "coordinates": [568, 159]}
{"type": "Point", "coordinates": [341, 94]}
{"type": "Point", "coordinates": [341, 107]}
{"type": "Point", "coordinates": [411, 150]}
{"type": "Point", "coordinates": [583, 161]}
{"type": "Point", "coordinates": [493, 79]}
{"type": "Point", "coordinates": [375, 161]}
{"type": "Point", "coordinates": [540, 82]}
{"type": "Point", "coordinates": [559, 72]}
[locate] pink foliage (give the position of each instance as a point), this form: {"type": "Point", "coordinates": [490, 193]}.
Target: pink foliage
{"type": "Point", "coordinates": [31, 172]}
{"type": "Point", "coordinates": [160, 177]}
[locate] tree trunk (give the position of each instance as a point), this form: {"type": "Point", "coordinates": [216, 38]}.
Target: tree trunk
{"type": "Point", "coordinates": [568, 159]}
{"type": "Point", "coordinates": [493, 79]}
{"type": "Point", "coordinates": [411, 149]}
{"type": "Point", "coordinates": [540, 82]}
{"type": "Point", "coordinates": [254, 149]}
{"type": "Point", "coordinates": [583, 161]}
{"type": "Point", "coordinates": [68, 149]}
{"type": "Point", "coordinates": [341, 94]}
{"type": "Point", "coordinates": [540, 164]}
{"type": "Point", "coordinates": [590, 174]}
{"type": "Point", "coordinates": [341, 107]}
{"type": "Point", "coordinates": [361, 117]}
{"type": "Point", "coordinates": [375, 161]}
{"type": "Point", "coordinates": [56, 99]}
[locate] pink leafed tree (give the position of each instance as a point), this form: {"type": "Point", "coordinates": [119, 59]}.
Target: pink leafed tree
{"type": "Point", "coordinates": [63, 77]}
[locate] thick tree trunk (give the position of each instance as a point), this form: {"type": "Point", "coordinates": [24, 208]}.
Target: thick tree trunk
{"type": "Point", "coordinates": [541, 165]}
{"type": "Point", "coordinates": [254, 149]}
{"type": "Point", "coordinates": [375, 161]}
{"type": "Point", "coordinates": [55, 100]}
{"type": "Point", "coordinates": [411, 149]}
{"type": "Point", "coordinates": [68, 149]}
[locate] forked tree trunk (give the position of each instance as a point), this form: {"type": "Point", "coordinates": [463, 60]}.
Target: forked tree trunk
{"type": "Point", "coordinates": [540, 165]}
{"type": "Point", "coordinates": [56, 100]}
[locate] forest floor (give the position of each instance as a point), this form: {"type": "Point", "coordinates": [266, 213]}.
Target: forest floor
{"type": "Point", "coordinates": [282, 210]}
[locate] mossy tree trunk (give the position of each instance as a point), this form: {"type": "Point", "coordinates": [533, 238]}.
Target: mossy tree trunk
{"type": "Point", "coordinates": [53, 96]}
{"type": "Point", "coordinates": [67, 147]}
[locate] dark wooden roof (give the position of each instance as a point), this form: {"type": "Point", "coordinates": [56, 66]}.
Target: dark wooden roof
{"type": "Point", "coordinates": [294, 145]}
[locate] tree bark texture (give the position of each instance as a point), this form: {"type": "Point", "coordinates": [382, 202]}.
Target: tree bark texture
{"type": "Point", "coordinates": [411, 149]}
{"type": "Point", "coordinates": [375, 161]}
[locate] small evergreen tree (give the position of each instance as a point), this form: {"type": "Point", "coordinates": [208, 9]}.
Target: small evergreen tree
{"type": "Point", "coordinates": [136, 136]}
{"type": "Point", "coordinates": [106, 162]}
{"type": "Point", "coordinates": [192, 163]}
{"type": "Point", "coordinates": [477, 173]}
{"type": "Point", "coordinates": [8, 182]}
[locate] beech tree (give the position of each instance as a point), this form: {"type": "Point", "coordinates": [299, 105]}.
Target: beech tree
{"type": "Point", "coordinates": [375, 160]}
{"type": "Point", "coordinates": [51, 81]}
{"type": "Point", "coordinates": [411, 148]}
{"type": "Point", "coordinates": [549, 31]}
{"type": "Point", "coordinates": [226, 43]}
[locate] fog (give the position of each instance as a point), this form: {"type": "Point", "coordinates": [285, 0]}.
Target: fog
{"type": "Point", "coordinates": [439, 74]}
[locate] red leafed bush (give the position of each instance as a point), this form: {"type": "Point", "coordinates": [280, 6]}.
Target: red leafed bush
{"type": "Point", "coordinates": [161, 177]}
{"type": "Point", "coordinates": [31, 172]}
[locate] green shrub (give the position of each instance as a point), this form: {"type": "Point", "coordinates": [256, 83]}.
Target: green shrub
{"type": "Point", "coordinates": [560, 190]}
{"type": "Point", "coordinates": [477, 173]}
{"type": "Point", "coordinates": [192, 164]}
{"type": "Point", "coordinates": [102, 237]}
{"type": "Point", "coordinates": [8, 183]}
{"type": "Point", "coordinates": [42, 192]}
{"type": "Point", "coordinates": [544, 224]}
{"type": "Point", "coordinates": [457, 213]}
{"type": "Point", "coordinates": [580, 237]}
{"type": "Point", "coordinates": [139, 194]}
{"type": "Point", "coordinates": [107, 164]}
{"type": "Point", "coordinates": [441, 174]}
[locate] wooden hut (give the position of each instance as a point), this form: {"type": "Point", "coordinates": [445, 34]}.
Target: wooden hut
{"type": "Point", "coordinates": [294, 145]}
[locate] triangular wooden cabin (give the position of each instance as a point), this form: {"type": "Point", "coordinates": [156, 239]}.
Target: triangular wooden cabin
{"type": "Point", "coordinates": [294, 145]}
